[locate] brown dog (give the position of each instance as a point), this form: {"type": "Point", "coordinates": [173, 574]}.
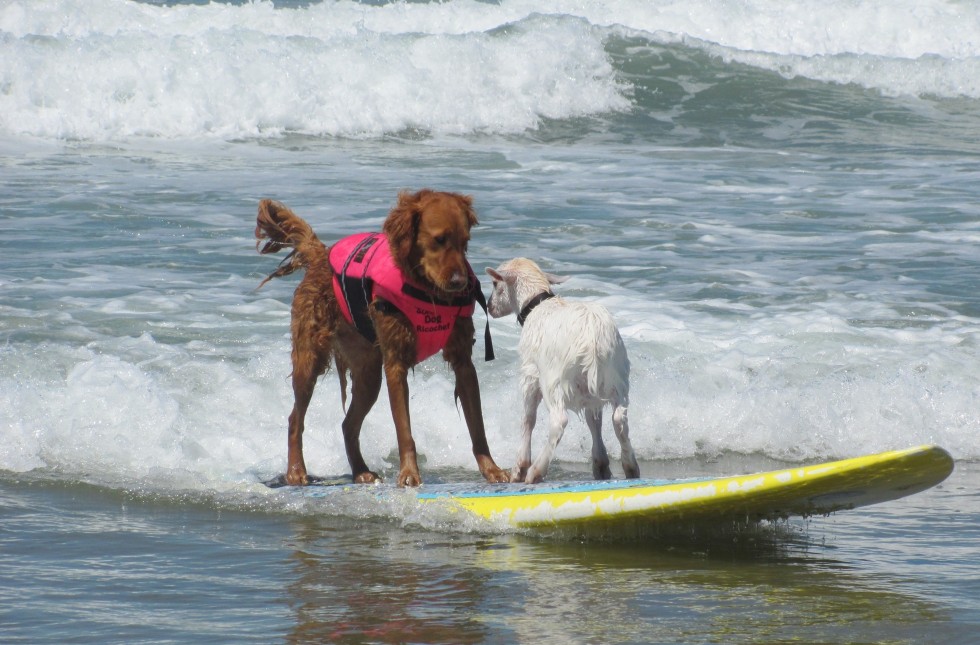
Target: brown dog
{"type": "Point", "coordinates": [424, 243]}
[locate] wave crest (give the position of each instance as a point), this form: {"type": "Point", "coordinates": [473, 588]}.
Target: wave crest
{"type": "Point", "coordinates": [232, 80]}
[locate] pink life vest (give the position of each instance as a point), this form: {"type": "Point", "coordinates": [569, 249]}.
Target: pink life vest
{"type": "Point", "coordinates": [364, 270]}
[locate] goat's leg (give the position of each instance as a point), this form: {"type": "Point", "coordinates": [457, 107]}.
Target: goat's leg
{"type": "Point", "coordinates": [532, 399]}
{"type": "Point", "coordinates": [600, 458]}
{"type": "Point", "coordinates": [559, 419]}
{"type": "Point", "coordinates": [621, 426]}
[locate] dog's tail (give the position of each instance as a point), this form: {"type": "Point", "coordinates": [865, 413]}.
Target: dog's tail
{"type": "Point", "coordinates": [284, 228]}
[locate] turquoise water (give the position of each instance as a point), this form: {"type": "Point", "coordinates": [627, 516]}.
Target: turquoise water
{"type": "Point", "coordinates": [778, 203]}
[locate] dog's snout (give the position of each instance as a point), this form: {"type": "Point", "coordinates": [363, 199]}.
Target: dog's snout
{"type": "Point", "coordinates": [458, 280]}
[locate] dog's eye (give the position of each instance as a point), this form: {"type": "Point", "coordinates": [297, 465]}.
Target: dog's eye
{"type": "Point", "coordinates": [441, 240]}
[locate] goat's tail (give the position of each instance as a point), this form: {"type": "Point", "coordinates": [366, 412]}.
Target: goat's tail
{"type": "Point", "coordinates": [608, 371]}
{"type": "Point", "coordinates": [283, 228]}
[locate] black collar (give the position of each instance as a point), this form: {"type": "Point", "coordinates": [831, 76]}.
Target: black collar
{"type": "Point", "coordinates": [529, 307]}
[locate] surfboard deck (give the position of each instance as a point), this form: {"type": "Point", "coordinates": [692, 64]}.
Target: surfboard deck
{"type": "Point", "coordinates": [803, 491]}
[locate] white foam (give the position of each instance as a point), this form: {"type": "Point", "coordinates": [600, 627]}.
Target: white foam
{"type": "Point", "coordinates": [800, 385]}
{"type": "Point", "coordinates": [906, 29]}
{"type": "Point", "coordinates": [227, 72]}
{"type": "Point", "coordinates": [103, 70]}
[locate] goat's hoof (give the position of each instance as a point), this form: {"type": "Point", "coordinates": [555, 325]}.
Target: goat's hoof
{"type": "Point", "coordinates": [602, 474]}
{"type": "Point", "coordinates": [534, 477]}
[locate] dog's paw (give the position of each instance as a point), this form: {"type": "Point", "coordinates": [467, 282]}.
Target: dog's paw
{"type": "Point", "coordinates": [296, 477]}
{"type": "Point", "coordinates": [367, 477]}
{"type": "Point", "coordinates": [495, 475]}
{"type": "Point", "coordinates": [491, 472]}
{"type": "Point", "coordinates": [409, 479]}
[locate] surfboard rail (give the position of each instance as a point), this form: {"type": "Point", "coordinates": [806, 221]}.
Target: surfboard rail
{"type": "Point", "coordinates": [796, 491]}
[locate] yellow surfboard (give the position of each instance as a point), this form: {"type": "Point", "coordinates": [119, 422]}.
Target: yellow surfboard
{"type": "Point", "coordinates": [798, 491]}
{"type": "Point", "coordinates": [612, 505]}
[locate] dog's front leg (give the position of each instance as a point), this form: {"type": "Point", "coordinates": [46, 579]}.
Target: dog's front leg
{"type": "Point", "coordinates": [468, 390]}
{"type": "Point", "coordinates": [458, 352]}
{"type": "Point", "coordinates": [396, 340]}
{"type": "Point", "coordinates": [396, 374]}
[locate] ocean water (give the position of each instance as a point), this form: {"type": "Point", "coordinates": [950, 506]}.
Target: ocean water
{"type": "Point", "coordinates": [779, 202]}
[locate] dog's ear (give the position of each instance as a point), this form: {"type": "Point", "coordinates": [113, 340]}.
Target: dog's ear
{"type": "Point", "coordinates": [556, 279]}
{"type": "Point", "coordinates": [402, 224]}
{"type": "Point", "coordinates": [467, 202]}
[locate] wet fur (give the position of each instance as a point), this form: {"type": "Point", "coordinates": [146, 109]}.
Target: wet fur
{"type": "Point", "coordinates": [572, 358]}
{"type": "Point", "coordinates": [428, 233]}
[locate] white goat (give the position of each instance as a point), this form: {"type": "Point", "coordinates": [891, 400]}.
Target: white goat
{"type": "Point", "coordinates": [572, 356]}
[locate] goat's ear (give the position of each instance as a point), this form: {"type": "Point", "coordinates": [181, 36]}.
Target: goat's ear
{"type": "Point", "coordinates": [556, 279]}
{"type": "Point", "coordinates": [508, 276]}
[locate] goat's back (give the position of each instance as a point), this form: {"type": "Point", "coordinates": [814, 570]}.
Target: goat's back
{"type": "Point", "coordinates": [577, 353]}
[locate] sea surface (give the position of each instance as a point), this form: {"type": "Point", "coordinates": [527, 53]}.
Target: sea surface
{"type": "Point", "coordinates": [778, 201]}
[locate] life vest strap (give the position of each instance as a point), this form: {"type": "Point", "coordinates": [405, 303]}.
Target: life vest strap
{"type": "Point", "coordinates": [487, 341]}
